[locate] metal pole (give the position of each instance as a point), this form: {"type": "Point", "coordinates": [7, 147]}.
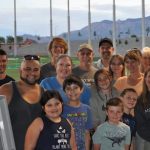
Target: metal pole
{"type": "Point", "coordinates": [51, 21]}
{"type": "Point", "coordinates": [89, 21]}
{"type": "Point", "coordinates": [15, 30]}
{"type": "Point", "coordinates": [143, 24]}
{"type": "Point", "coordinates": [114, 26]}
{"type": "Point", "coordinates": [69, 48]}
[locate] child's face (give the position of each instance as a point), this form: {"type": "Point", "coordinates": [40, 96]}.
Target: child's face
{"type": "Point", "coordinates": [116, 66]}
{"type": "Point", "coordinates": [147, 80]}
{"type": "Point", "coordinates": [73, 91]}
{"type": "Point", "coordinates": [114, 114]}
{"type": "Point", "coordinates": [103, 82]}
{"type": "Point", "coordinates": [129, 100]}
{"type": "Point", "coordinates": [53, 108]}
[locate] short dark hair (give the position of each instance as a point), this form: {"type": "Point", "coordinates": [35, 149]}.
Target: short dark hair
{"type": "Point", "coordinates": [105, 40]}
{"type": "Point", "coordinates": [116, 101]}
{"type": "Point", "coordinates": [72, 79]}
{"type": "Point", "coordinates": [2, 52]}
{"type": "Point", "coordinates": [127, 90]}
{"type": "Point", "coordinates": [49, 94]}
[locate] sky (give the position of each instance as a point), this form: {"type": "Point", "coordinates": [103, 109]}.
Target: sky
{"type": "Point", "coordinates": [33, 16]}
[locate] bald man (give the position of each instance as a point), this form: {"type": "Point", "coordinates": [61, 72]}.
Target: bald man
{"type": "Point", "coordinates": [23, 98]}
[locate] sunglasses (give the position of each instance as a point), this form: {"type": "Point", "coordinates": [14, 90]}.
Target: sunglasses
{"type": "Point", "coordinates": [32, 57]}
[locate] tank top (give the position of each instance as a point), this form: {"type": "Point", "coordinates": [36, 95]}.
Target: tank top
{"type": "Point", "coordinates": [22, 114]}
{"type": "Point", "coordinates": [54, 135]}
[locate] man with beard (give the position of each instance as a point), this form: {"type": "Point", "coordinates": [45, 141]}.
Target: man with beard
{"type": "Point", "coordinates": [106, 51]}
{"type": "Point", "coordinates": [85, 70]}
{"type": "Point", "coordinates": [4, 78]}
{"type": "Point", "coordinates": [23, 98]}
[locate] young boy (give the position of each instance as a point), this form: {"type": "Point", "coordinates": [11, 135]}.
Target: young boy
{"type": "Point", "coordinates": [79, 114]}
{"type": "Point", "coordinates": [129, 99]}
{"type": "Point", "coordinates": [112, 134]}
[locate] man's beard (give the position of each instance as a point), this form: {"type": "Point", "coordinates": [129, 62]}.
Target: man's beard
{"type": "Point", "coordinates": [29, 82]}
{"type": "Point", "coordinates": [106, 55]}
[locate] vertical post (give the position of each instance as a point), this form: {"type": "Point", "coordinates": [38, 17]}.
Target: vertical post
{"type": "Point", "coordinates": [15, 30]}
{"type": "Point", "coordinates": [143, 24]}
{"type": "Point", "coordinates": [51, 21]}
{"type": "Point", "coordinates": [89, 21]}
{"type": "Point", "coordinates": [69, 48]}
{"type": "Point", "coordinates": [114, 26]}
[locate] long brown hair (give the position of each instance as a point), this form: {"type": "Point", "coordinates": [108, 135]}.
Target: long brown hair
{"type": "Point", "coordinates": [143, 97]}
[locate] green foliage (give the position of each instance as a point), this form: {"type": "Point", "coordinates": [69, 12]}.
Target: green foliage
{"type": "Point", "coordinates": [133, 36]}
{"type": "Point", "coordinates": [126, 42]}
{"type": "Point", "coordinates": [19, 39]}
{"type": "Point", "coordinates": [10, 39]}
{"type": "Point", "coordinates": [2, 40]}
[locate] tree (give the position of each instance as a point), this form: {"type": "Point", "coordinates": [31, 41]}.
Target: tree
{"type": "Point", "coordinates": [126, 42]}
{"type": "Point", "coordinates": [19, 39]}
{"type": "Point", "coordinates": [10, 39]}
{"type": "Point", "coordinates": [2, 40]}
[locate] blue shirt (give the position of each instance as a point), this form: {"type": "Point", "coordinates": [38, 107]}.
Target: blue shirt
{"type": "Point", "coordinates": [52, 83]}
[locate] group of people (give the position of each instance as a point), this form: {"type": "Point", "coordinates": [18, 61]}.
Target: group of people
{"type": "Point", "coordinates": [93, 105]}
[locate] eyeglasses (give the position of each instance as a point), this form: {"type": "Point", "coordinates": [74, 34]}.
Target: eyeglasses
{"type": "Point", "coordinates": [32, 57]}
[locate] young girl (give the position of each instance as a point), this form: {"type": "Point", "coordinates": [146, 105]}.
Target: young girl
{"type": "Point", "coordinates": [101, 93]}
{"type": "Point", "coordinates": [142, 115]}
{"type": "Point", "coordinates": [116, 67]}
{"type": "Point", "coordinates": [129, 99]}
{"type": "Point", "coordinates": [50, 131]}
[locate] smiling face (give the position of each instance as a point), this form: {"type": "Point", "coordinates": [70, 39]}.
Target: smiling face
{"type": "Point", "coordinates": [3, 63]}
{"type": "Point", "coordinates": [30, 71]}
{"type": "Point", "coordinates": [63, 67]}
{"type": "Point", "coordinates": [73, 92]}
{"type": "Point", "coordinates": [106, 50]}
{"type": "Point", "coordinates": [129, 100]}
{"type": "Point", "coordinates": [57, 50]}
{"type": "Point", "coordinates": [114, 114]}
{"type": "Point", "coordinates": [104, 81]}
{"type": "Point", "coordinates": [132, 65]}
{"type": "Point", "coordinates": [116, 66]}
{"type": "Point", "coordinates": [85, 56]}
{"type": "Point", "coordinates": [53, 108]}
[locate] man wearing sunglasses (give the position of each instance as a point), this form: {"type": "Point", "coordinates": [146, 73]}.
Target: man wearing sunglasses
{"type": "Point", "coordinates": [23, 98]}
{"type": "Point", "coordinates": [4, 78]}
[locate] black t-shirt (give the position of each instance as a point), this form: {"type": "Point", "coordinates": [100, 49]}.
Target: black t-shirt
{"type": "Point", "coordinates": [6, 80]}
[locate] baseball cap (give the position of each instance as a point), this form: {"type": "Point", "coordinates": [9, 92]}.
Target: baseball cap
{"type": "Point", "coordinates": [85, 46]}
{"type": "Point", "coordinates": [105, 40]}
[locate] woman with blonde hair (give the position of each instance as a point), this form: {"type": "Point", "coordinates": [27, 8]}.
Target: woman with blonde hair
{"type": "Point", "coordinates": [145, 62]}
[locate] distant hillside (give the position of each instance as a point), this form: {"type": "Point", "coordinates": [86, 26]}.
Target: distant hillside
{"type": "Point", "coordinates": [125, 28]}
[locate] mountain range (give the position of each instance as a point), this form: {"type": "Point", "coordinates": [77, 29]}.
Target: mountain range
{"type": "Point", "coordinates": [124, 28]}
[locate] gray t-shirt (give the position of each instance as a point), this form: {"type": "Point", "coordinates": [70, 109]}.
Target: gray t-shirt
{"type": "Point", "coordinates": [86, 76]}
{"type": "Point", "coordinates": [112, 137]}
